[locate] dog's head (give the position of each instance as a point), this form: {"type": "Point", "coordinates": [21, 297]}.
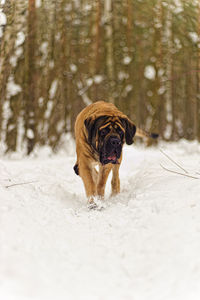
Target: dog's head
{"type": "Point", "coordinates": [107, 135]}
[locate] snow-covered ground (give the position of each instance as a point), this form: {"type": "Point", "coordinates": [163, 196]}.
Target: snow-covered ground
{"type": "Point", "coordinates": [145, 243]}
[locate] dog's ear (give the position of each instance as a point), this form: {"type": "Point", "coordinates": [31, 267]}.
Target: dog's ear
{"type": "Point", "coordinates": [92, 126]}
{"type": "Point", "coordinates": [89, 126]}
{"type": "Point", "coordinates": [130, 130]}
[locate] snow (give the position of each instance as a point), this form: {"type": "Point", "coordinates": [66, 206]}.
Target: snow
{"type": "Point", "coordinates": [89, 82]}
{"type": "Point", "coordinates": [30, 133]}
{"type": "Point", "coordinates": [144, 244]}
{"type": "Point", "coordinates": [44, 50]}
{"type": "Point", "coordinates": [12, 88]}
{"type": "Point", "coordinates": [73, 68]}
{"type": "Point", "coordinates": [3, 20]}
{"type": "Point", "coordinates": [14, 58]}
{"type": "Point", "coordinates": [127, 60]}
{"type": "Point", "coordinates": [128, 88]}
{"type": "Point", "coordinates": [20, 39]}
{"type": "Point", "coordinates": [161, 90]}
{"type": "Point", "coordinates": [122, 75]}
{"type": "Point", "coordinates": [98, 79]}
{"type": "Point", "coordinates": [150, 72]}
{"type": "Point", "coordinates": [194, 37]}
{"type": "Point", "coordinates": [53, 89]}
{"type": "Point", "coordinates": [38, 3]}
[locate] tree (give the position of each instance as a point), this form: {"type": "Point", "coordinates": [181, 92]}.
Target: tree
{"type": "Point", "coordinates": [59, 56]}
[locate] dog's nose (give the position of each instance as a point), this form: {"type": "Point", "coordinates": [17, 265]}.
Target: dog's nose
{"type": "Point", "coordinates": [115, 142]}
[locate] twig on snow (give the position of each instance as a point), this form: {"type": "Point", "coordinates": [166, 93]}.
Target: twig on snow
{"type": "Point", "coordinates": [173, 161]}
{"type": "Point", "coordinates": [22, 183]}
{"type": "Point", "coordinates": [186, 175]}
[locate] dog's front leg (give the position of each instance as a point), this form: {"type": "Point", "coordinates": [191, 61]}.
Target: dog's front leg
{"type": "Point", "coordinates": [115, 180]}
{"type": "Point", "coordinates": [103, 176]}
{"type": "Point", "coordinates": [86, 172]}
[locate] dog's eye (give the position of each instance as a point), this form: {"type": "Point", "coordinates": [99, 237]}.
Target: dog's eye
{"type": "Point", "coordinates": [119, 131]}
{"type": "Point", "coordinates": [103, 132]}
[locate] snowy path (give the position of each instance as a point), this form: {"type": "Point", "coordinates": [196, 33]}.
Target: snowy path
{"type": "Point", "coordinates": [144, 245]}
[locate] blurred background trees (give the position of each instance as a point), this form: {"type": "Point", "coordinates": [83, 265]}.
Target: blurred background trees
{"type": "Point", "coordinates": [57, 56]}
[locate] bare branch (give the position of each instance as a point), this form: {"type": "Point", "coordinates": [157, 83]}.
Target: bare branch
{"type": "Point", "coordinates": [186, 175]}
{"type": "Point", "coordinates": [173, 161]}
{"type": "Point", "coordinates": [14, 184]}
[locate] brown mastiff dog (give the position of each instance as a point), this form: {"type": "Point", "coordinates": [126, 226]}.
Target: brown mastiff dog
{"type": "Point", "coordinates": [101, 131]}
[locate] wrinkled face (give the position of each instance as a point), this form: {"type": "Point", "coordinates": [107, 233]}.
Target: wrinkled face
{"type": "Point", "coordinates": [110, 142]}
{"type": "Point", "coordinates": [107, 135]}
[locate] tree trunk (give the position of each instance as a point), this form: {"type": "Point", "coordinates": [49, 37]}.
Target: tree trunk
{"type": "Point", "coordinates": [31, 79]}
{"type": "Point", "coordinates": [109, 47]}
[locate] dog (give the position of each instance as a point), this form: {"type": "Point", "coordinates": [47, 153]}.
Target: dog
{"type": "Point", "coordinates": [101, 130]}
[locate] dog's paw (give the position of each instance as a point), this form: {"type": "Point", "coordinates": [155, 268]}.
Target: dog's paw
{"type": "Point", "coordinates": [92, 205]}
{"type": "Point", "coordinates": [96, 203]}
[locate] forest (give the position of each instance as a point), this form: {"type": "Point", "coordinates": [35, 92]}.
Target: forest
{"type": "Point", "coordinates": [57, 56]}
